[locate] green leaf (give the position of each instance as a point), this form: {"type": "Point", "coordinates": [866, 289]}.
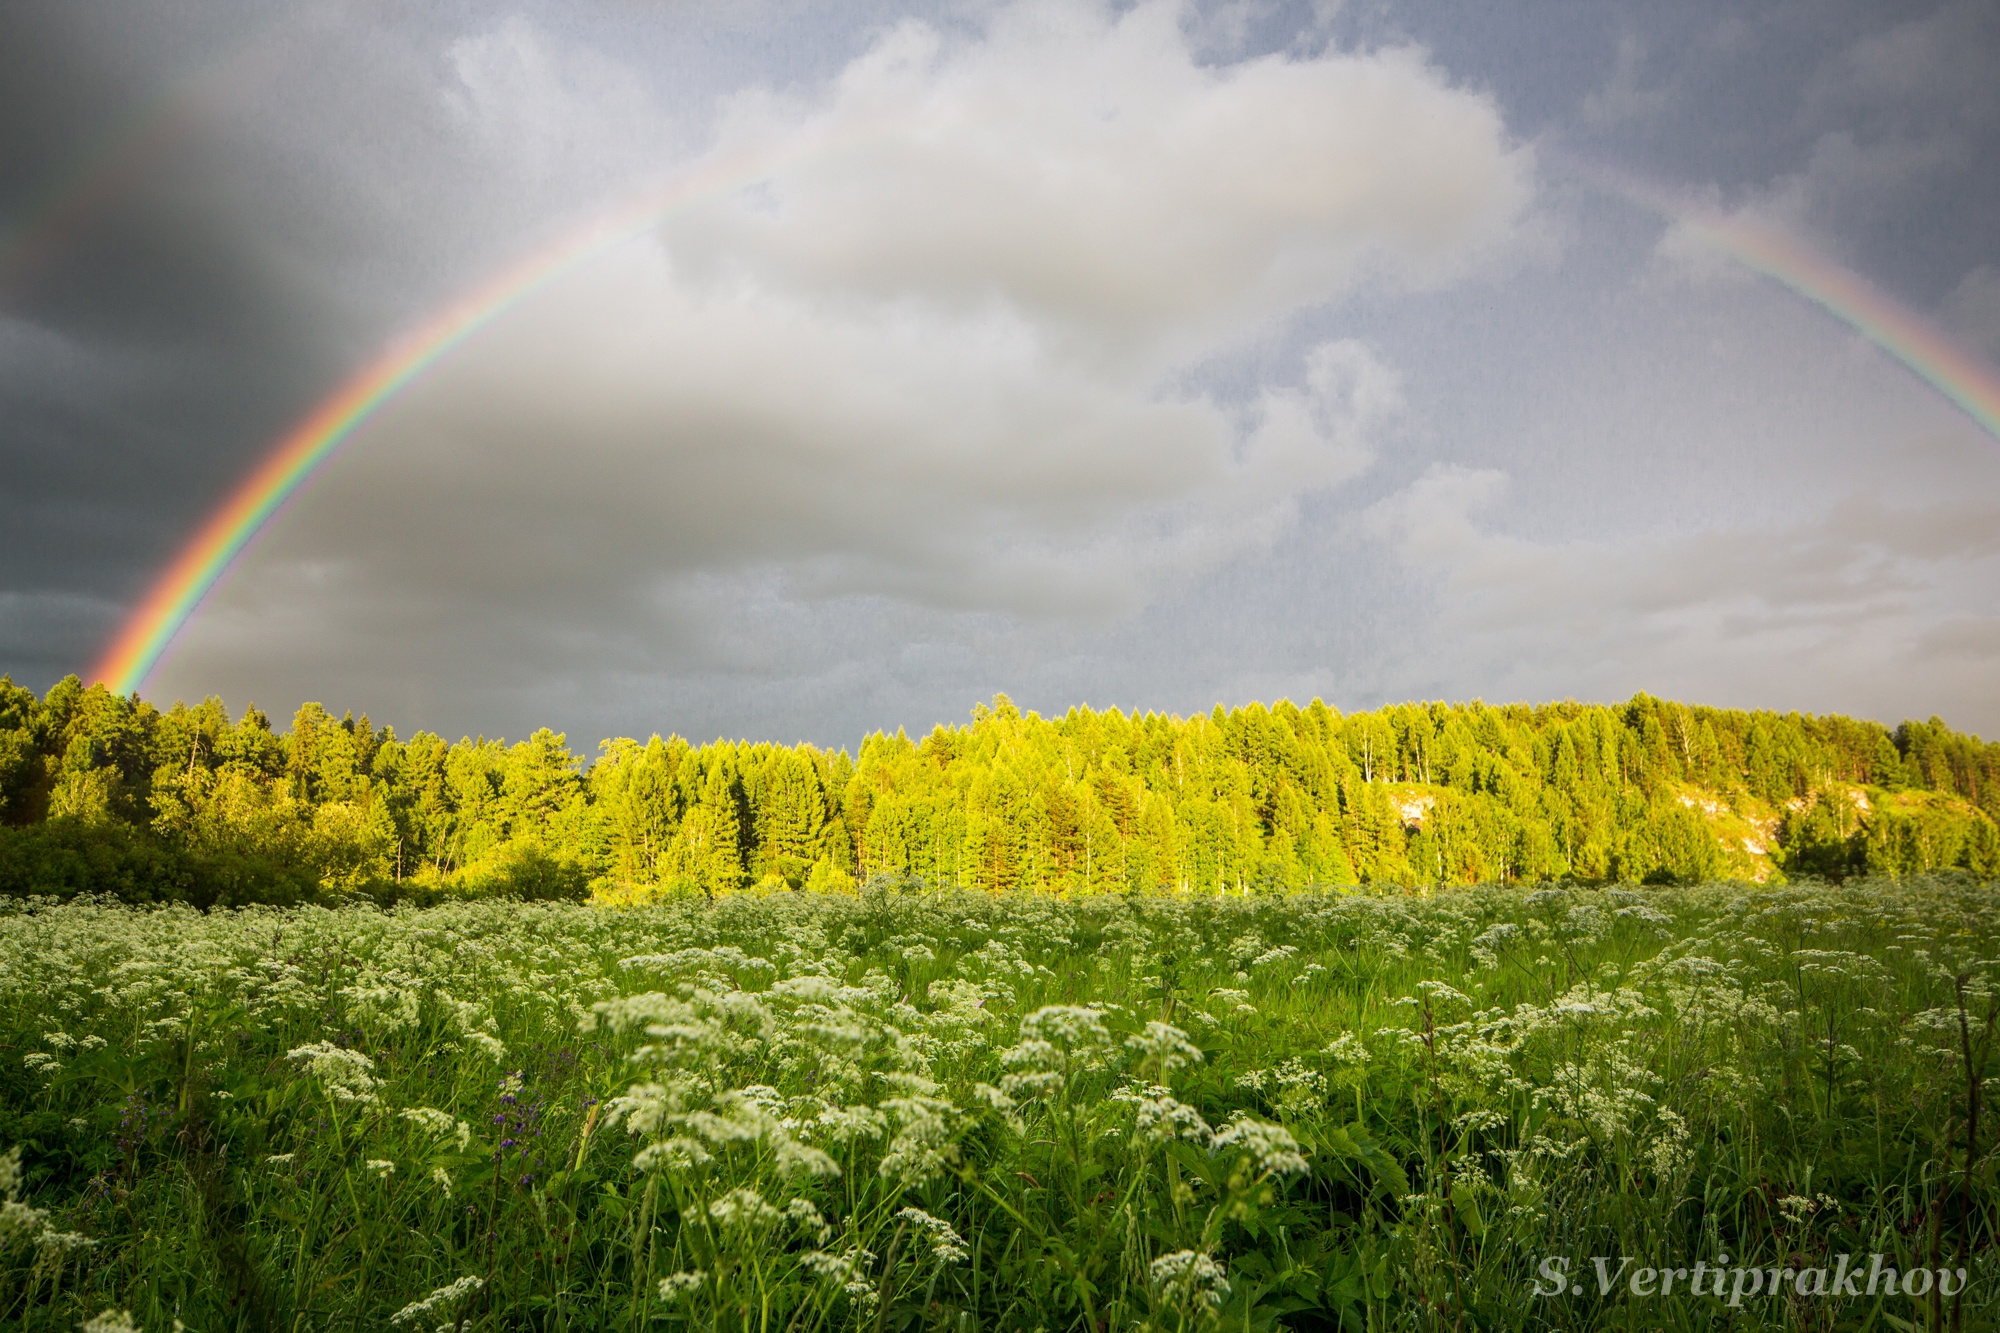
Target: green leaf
{"type": "Point", "coordinates": [1386, 1169]}
{"type": "Point", "coordinates": [1465, 1204]}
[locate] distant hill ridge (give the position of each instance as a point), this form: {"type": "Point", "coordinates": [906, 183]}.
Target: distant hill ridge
{"type": "Point", "coordinates": [109, 794]}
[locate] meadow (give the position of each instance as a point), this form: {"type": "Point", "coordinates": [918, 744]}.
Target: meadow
{"type": "Point", "coordinates": [904, 1108]}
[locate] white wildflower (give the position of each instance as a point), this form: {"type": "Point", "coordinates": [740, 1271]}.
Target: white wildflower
{"type": "Point", "coordinates": [923, 1143]}
{"type": "Point", "coordinates": [805, 1215]}
{"type": "Point", "coordinates": [795, 1158]}
{"type": "Point", "coordinates": [1346, 1049]}
{"type": "Point", "coordinates": [993, 1097]}
{"type": "Point", "coordinates": [110, 1321]}
{"type": "Point", "coordinates": [1159, 1118]}
{"type": "Point", "coordinates": [743, 1208]}
{"type": "Point", "coordinates": [486, 1044]}
{"type": "Point", "coordinates": [848, 1269]}
{"type": "Point", "coordinates": [947, 1247]}
{"type": "Point", "coordinates": [348, 1076]}
{"type": "Point", "coordinates": [1796, 1208]}
{"type": "Point", "coordinates": [1191, 1277]}
{"type": "Point", "coordinates": [1166, 1045]}
{"type": "Point", "coordinates": [825, 1264]}
{"type": "Point", "coordinates": [438, 1299]}
{"type": "Point", "coordinates": [679, 1153]}
{"type": "Point", "coordinates": [64, 1242]}
{"type": "Point", "coordinates": [843, 1124]}
{"type": "Point", "coordinates": [439, 1124]}
{"type": "Point", "coordinates": [1271, 1148]}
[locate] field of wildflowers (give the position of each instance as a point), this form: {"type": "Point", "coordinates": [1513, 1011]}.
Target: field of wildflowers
{"type": "Point", "coordinates": [904, 1109]}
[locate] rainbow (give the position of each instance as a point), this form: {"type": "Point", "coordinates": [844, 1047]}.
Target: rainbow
{"type": "Point", "coordinates": [1901, 332]}
{"type": "Point", "coordinates": [176, 594]}
{"type": "Point", "coordinates": [1924, 348]}
{"type": "Point", "coordinates": [178, 591]}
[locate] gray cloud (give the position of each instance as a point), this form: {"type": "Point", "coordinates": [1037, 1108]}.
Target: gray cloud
{"type": "Point", "coordinates": [1851, 608]}
{"type": "Point", "coordinates": [1084, 351]}
{"type": "Point", "coordinates": [1972, 311]}
{"type": "Point", "coordinates": [1627, 95]}
{"type": "Point", "coordinates": [932, 364]}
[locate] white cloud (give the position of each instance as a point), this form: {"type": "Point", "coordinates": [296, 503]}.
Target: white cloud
{"type": "Point", "coordinates": [1083, 169]}
{"type": "Point", "coordinates": [541, 108]}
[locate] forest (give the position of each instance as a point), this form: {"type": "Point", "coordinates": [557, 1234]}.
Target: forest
{"type": "Point", "coordinates": [107, 794]}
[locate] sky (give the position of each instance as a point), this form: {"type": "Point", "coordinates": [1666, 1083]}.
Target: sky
{"type": "Point", "coordinates": [1143, 355]}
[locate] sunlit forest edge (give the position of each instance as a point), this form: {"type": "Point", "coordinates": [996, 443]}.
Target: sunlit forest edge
{"type": "Point", "coordinates": [109, 794]}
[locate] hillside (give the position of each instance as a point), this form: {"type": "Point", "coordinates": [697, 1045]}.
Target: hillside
{"type": "Point", "coordinates": [103, 793]}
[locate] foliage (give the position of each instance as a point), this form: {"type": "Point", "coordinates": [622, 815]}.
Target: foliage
{"type": "Point", "coordinates": [67, 856]}
{"type": "Point", "coordinates": [903, 1109]}
{"type": "Point", "coordinates": [1255, 798]}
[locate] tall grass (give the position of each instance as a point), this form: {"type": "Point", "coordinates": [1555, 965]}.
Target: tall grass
{"type": "Point", "coordinates": [911, 1110]}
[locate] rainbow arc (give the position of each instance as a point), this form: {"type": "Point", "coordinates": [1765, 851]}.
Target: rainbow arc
{"type": "Point", "coordinates": [300, 453]}
{"type": "Point", "coordinates": [178, 592]}
{"type": "Point", "coordinates": [1923, 347]}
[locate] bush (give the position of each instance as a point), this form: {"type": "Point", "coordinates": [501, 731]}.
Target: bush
{"type": "Point", "coordinates": [65, 858]}
{"type": "Point", "coordinates": [530, 874]}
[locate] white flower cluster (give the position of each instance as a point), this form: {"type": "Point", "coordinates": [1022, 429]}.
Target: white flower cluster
{"type": "Point", "coordinates": [443, 1298]}
{"type": "Point", "coordinates": [1191, 1277]}
{"type": "Point", "coordinates": [439, 1124]}
{"type": "Point", "coordinates": [676, 1285]}
{"type": "Point", "coordinates": [1158, 1117]}
{"type": "Point", "coordinates": [1271, 1149]}
{"type": "Point", "coordinates": [110, 1321]}
{"type": "Point", "coordinates": [348, 1076]}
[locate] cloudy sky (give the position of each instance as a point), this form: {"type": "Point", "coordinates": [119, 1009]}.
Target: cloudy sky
{"type": "Point", "coordinates": [1141, 354]}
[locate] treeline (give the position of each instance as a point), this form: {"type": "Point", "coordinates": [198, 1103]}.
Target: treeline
{"type": "Point", "coordinates": [106, 793]}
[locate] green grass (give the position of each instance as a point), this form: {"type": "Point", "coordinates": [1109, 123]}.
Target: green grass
{"type": "Point", "coordinates": [910, 1110]}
